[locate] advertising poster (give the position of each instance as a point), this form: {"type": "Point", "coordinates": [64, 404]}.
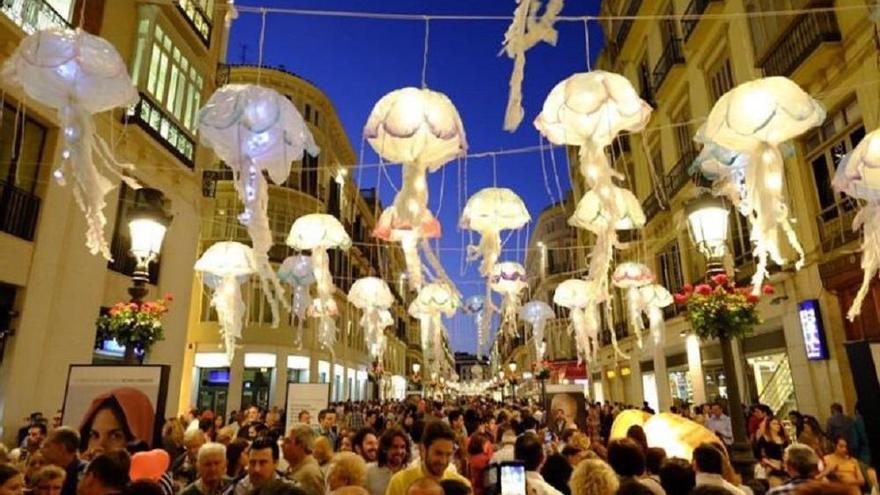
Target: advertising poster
{"type": "Point", "coordinates": [311, 397]}
{"type": "Point", "coordinates": [569, 402]}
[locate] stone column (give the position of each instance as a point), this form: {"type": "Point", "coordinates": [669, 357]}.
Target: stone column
{"type": "Point", "coordinates": [236, 381]}
{"type": "Point", "coordinates": [695, 368]}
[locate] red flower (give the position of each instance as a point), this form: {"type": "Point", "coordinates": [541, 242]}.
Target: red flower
{"type": "Point", "coordinates": [680, 298]}
{"type": "Point", "coordinates": [133, 306]}
{"type": "Point", "coordinates": [687, 288]}
{"type": "Point", "coordinates": [769, 290]}
{"type": "Point", "coordinates": [703, 289]}
{"type": "Point", "coordinates": [752, 298]}
{"type": "Point", "coordinates": [114, 311]}
{"type": "Point", "coordinates": [169, 297]}
{"type": "Point", "coordinates": [720, 279]}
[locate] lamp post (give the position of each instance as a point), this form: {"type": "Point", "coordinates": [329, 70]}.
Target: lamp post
{"type": "Point", "coordinates": [512, 368]}
{"type": "Point", "coordinates": [147, 223]}
{"type": "Point", "coordinates": [416, 379]}
{"type": "Point", "coordinates": [501, 381]}
{"type": "Point", "coordinates": [707, 218]}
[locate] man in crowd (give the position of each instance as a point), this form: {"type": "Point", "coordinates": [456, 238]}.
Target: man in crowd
{"type": "Point", "coordinates": [327, 426]}
{"type": "Point", "coordinates": [184, 467]}
{"type": "Point", "coordinates": [304, 417]}
{"type": "Point", "coordinates": [628, 461]}
{"type": "Point", "coordinates": [60, 450]}
{"type": "Point", "coordinates": [529, 450]}
{"type": "Point", "coordinates": [560, 424]}
{"type": "Point", "coordinates": [840, 425]}
{"type": "Point", "coordinates": [437, 448]}
{"type": "Point", "coordinates": [708, 462]}
{"type": "Point", "coordinates": [394, 447]}
{"type": "Point", "coordinates": [211, 463]}
{"type": "Point", "coordinates": [107, 474]}
{"type": "Point", "coordinates": [425, 486]}
{"type": "Point", "coordinates": [366, 444]}
{"type": "Point", "coordinates": [456, 421]}
{"type": "Point", "coordinates": [36, 434]}
{"type": "Point", "coordinates": [304, 470]}
{"type": "Point", "coordinates": [262, 467]}
{"type": "Point", "coordinates": [802, 464]}
{"type": "Point", "coordinates": [719, 423]}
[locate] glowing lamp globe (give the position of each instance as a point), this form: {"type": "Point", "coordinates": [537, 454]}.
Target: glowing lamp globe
{"type": "Point", "coordinates": [707, 219]}
{"type": "Point", "coordinates": [147, 224]}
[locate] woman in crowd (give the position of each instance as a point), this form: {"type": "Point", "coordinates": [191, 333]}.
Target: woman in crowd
{"type": "Point", "coordinates": [237, 458]}
{"type": "Point", "coordinates": [840, 466]}
{"type": "Point", "coordinates": [11, 480]}
{"type": "Point", "coordinates": [345, 444]}
{"type": "Point", "coordinates": [323, 453]}
{"type": "Point", "coordinates": [48, 481]}
{"type": "Point", "coordinates": [593, 477]}
{"type": "Point", "coordinates": [771, 443]}
{"type": "Point", "coordinates": [811, 434]}
{"type": "Point", "coordinates": [479, 452]}
{"type": "Point", "coordinates": [346, 469]}
{"type": "Point", "coordinates": [172, 437]}
{"type": "Point", "coordinates": [34, 463]}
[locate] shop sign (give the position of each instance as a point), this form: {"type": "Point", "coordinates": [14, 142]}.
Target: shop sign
{"type": "Point", "coordinates": [812, 329]}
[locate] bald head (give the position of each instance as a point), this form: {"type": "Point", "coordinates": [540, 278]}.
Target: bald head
{"type": "Point", "coordinates": [425, 486]}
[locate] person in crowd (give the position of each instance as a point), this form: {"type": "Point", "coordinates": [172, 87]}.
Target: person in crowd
{"type": "Point", "coordinates": [394, 449]}
{"type": "Point", "coordinates": [425, 486]}
{"type": "Point", "coordinates": [354, 419]}
{"type": "Point", "coordinates": [770, 445]}
{"type": "Point", "coordinates": [456, 421]}
{"type": "Point", "coordinates": [115, 419]}
{"type": "Point", "coordinates": [279, 487]}
{"type": "Point", "coordinates": [677, 477]}
{"type": "Point", "coordinates": [34, 463]}
{"type": "Point", "coordinates": [861, 449]}
{"type": "Point", "coordinates": [262, 467]}
{"type": "Point", "coordinates": [796, 419]}
{"type": "Point", "coordinates": [237, 458]}
{"type": "Point", "coordinates": [802, 466]}
{"type": "Point", "coordinates": [183, 468]}
{"type": "Point", "coordinates": [36, 434]}
{"type": "Point", "coordinates": [529, 449]}
{"type": "Point", "coordinates": [211, 465]}
{"type": "Point", "coordinates": [823, 488]}
{"type": "Point", "coordinates": [812, 436]}
{"type": "Point", "coordinates": [346, 443]}
{"type": "Point", "coordinates": [346, 469]}
{"type": "Point", "coordinates": [49, 480]}
{"type": "Point", "coordinates": [627, 459]}
{"type": "Point", "coordinates": [323, 453]}
{"type": "Point", "coordinates": [593, 477]}
{"type": "Point", "coordinates": [839, 425]}
{"type": "Point", "coordinates": [709, 490]}
{"type": "Point", "coordinates": [557, 471]}
{"type": "Point", "coordinates": [437, 448]}
{"type": "Point", "coordinates": [366, 444]}
{"type": "Point", "coordinates": [719, 423]}
{"type": "Point", "coordinates": [304, 470]}
{"type": "Point", "coordinates": [106, 474]}
{"type": "Point", "coordinates": [455, 487]}
{"type": "Point", "coordinates": [172, 437]}
{"type": "Point", "coordinates": [633, 487]}
{"type": "Point", "coordinates": [757, 415]}
{"type": "Point", "coordinates": [11, 480]}
{"type": "Point", "coordinates": [327, 426]}
{"type": "Point", "coordinates": [59, 449]}
{"type": "Point", "coordinates": [637, 434]}
{"type": "Point", "coordinates": [654, 459]}
{"type": "Point", "coordinates": [479, 451]}
{"type": "Point", "coordinates": [560, 423]}
{"type": "Point", "coordinates": [708, 463]}
{"type": "Point", "coordinates": [304, 418]}
{"type": "Point", "coordinates": [841, 467]}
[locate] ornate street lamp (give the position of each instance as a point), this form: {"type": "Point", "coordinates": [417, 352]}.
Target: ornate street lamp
{"type": "Point", "coordinates": [512, 379]}
{"type": "Point", "coordinates": [707, 218]}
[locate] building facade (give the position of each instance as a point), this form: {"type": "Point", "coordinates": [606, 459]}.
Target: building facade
{"type": "Point", "coordinates": [51, 289]}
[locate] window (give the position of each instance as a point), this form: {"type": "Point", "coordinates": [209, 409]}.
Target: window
{"type": "Point", "coordinates": [123, 261]}
{"type": "Point", "coordinates": [308, 113]}
{"type": "Point", "coordinates": [720, 78]}
{"type": "Point", "coordinates": [199, 13]}
{"type": "Point", "coordinates": [669, 267]}
{"type": "Point", "coordinates": [21, 149]}
{"type": "Point", "coordinates": [765, 28]}
{"type": "Point", "coordinates": [682, 130]}
{"type": "Point", "coordinates": [825, 147]}
{"type": "Point", "coordinates": [309, 175]}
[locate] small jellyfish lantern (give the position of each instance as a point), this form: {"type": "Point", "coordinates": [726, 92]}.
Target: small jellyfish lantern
{"type": "Point", "coordinates": [79, 75]}
{"type": "Point", "coordinates": [372, 296]}
{"type": "Point", "coordinates": [579, 296]}
{"type": "Point", "coordinates": [433, 302]}
{"type": "Point", "coordinates": [536, 313]}
{"type": "Point", "coordinates": [642, 296]}
{"type": "Point", "coordinates": [224, 267]}
{"type": "Point", "coordinates": [421, 130]}
{"type": "Point", "coordinates": [476, 305]}
{"type": "Point", "coordinates": [489, 211]}
{"type": "Point", "coordinates": [297, 271]}
{"type": "Point", "coordinates": [509, 279]}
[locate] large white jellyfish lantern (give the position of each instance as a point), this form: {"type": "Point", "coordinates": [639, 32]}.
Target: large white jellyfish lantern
{"type": "Point", "coordinates": [476, 305]}
{"type": "Point", "coordinates": [255, 129]}
{"type": "Point", "coordinates": [858, 176]}
{"type": "Point", "coordinates": [754, 118]}
{"type": "Point", "coordinates": [536, 313]}
{"type": "Point", "coordinates": [433, 302]}
{"type": "Point", "coordinates": [372, 296]}
{"type": "Point", "coordinates": [297, 271]}
{"type": "Point", "coordinates": [579, 296]}
{"type": "Point", "coordinates": [318, 232]}
{"type": "Point", "coordinates": [489, 211]}
{"type": "Point", "coordinates": [224, 267]}
{"type": "Point", "coordinates": [421, 130]}
{"type": "Point", "coordinates": [630, 276]}
{"type": "Point", "coordinates": [589, 110]}
{"type": "Point", "coordinates": [79, 75]}
{"type": "Point", "coordinates": [509, 279]}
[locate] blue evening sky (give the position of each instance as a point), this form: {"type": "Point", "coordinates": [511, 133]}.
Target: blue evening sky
{"type": "Point", "coordinates": [356, 61]}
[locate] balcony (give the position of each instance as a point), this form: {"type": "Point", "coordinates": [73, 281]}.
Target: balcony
{"type": "Point", "coordinates": [651, 206]}
{"type": "Point", "coordinates": [197, 19]}
{"type": "Point", "coordinates": [676, 179]}
{"type": "Point", "coordinates": [19, 211]}
{"type": "Point", "coordinates": [691, 17]}
{"type": "Point", "coordinates": [153, 119]}
{"type": "Point", "coordinates": [835, 224]}
{"type": "Point", "coordinates": [33, 15]}
{"type": "Point", "coordinates": [671, 57]}
{"type": "Point", "coordinates": [626, 25]}
{"type": "Point", "coordinates": [802, 38]}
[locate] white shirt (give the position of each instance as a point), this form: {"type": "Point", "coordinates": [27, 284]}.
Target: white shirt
{"type": "Point", "coordinates": [537, 486]}
{"type": "Point", "coordinates": [717, 480]}
{"type": "Point", "coordinates": [721, 425]}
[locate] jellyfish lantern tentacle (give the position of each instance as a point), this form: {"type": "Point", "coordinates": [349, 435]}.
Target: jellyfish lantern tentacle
{"type": "Point", "coordinates": [537, 313]}
{"type": "Point", "coordinates": [372, 296]}
{"type": "Point", "coordinates": [509, 279]}
{"type": "Point", "coordinates": [298, 271]}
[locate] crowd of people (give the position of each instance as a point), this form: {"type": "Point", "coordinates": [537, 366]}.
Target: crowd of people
{"type": "Point", "coordinates": [417, 447]}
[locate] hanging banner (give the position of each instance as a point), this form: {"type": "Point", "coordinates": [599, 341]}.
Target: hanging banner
{"type": "Point", "coordinates": [309, 397]}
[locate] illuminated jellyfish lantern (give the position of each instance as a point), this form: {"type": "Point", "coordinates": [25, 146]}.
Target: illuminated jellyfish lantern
{"type": "Point", "coordinates": [433, 302]}
{"type": "Point", "coordinates": [255, 129]}
{"type": "Point", "coordinates": [536, 314]}
{"type": "Point", "coordinates": [589, 110]}
{"type": "Point", "coordinates": [476, 305]}
{"type": "Point", "coordinates": [579, 296]}
{"type": "Point", "coordinates": [509, 279]}
{"type": "Point", "coordinates": [489, 211]}
{"type": "Point", "coordinates": [421, 130]}
{"type": "Point", "coordinates": [754, 118]}
{"type": "Point", "coordinates": [318, 232]}
{"type": "Point", "coordinates": [858, 176]}
{"type": "Point", "coordinates": [79, 75]}
{"type": "Point", "coordinates": [377, 347]}
{"type": "Point", "coordinates": [224, 267]}
{"type": "Point", "coordinates": [372, 296]}
{"type": "Point", "coordinates": [297, 271]}
{"type": "Point", "coordinates": [630, 276]}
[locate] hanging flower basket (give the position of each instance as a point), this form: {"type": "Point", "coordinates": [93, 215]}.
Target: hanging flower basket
{"type": "Point", "coordinates": [137, 327]}
{"type": "Point", "coordinates": [541, 370]}
{"type": "Point", "coordinates": [720, 309]}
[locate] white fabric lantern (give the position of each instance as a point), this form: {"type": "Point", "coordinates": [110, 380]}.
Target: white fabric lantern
{"type": "Point", "coordinates": [421, 130]}
{"type": "Point", "coordinates": [79, 75]}
{"type": "Point", "coordinates": [476, 305]}
{"type": "Point", "coordinates": [224, 267]}
{"type": "Point", "coordinates": [489, 211]}
{"type": "Point", "coordinates": [580, 297]}
{"type": "Point", "coordinates": [630, 276]}
{"type": "Point", "coordinates": [509, 279]}
{"type": "Point", "coordinates": [297, 270]}
{"type": "Point", "coordinates": [255, 129]}
{"type": "Point", "coordinates": [433, 302]}
{"type": "Point", "coordinates": [372, 296]}
{"type": "Point", "coordinates": [536, 314]}
{"type": "Point", "coordinates": [754, 118]}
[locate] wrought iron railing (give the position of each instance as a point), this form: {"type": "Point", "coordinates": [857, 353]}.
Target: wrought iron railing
{"type": "Point", "coordinates": [671, 57]}
{"type": "Point", "coordinates": [158, 123]}
{"type": "Point", "coordinates": [19, 211]}
{"type": "Point", "coordinates": [801, 38]}
{"type": "Point", "coordinates": [691, 19]}
{"type": "Point", "coordinates": [651, 206]}
{"type": "Point", "coordinates": [33, 15]}
{"type": "Point", "coordinates": [676, 179]}
{"type": "Point", "coordinates": [835, 224]}
{"type": "Point", "coordinates": [197, 18]}
{"type": "Point", "coordinates": [626, 24]}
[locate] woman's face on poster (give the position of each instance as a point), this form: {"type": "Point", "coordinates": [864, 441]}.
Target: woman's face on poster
{"type": "Point", "coordinates": [107, 432]}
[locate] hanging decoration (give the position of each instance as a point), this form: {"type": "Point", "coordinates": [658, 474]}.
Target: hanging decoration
{"type": "Point", "coordinates": [754, 118]}
{"type": "Point", "coordinates": [255, 129]}
{"type": "Point", "coordinates": [421, 130]}
{"type": "Point", "coordinates": [858, 176]}
{"type": "Point", "coordinates": [489, 211]}
{"type": "Point", "coordinates": [476, 306]}
{"type": "Point", "coordinates": [589, 110]}
{"type": "Point", "coordinates": [433, 302]}
{"type": "Point", "coordinates": [509, 279]}
{"type": "Point", "coordinates": [631, 276]}
{"type": "Point", "coordinates": [372, 296]}
{"type": "Point", "coordinates": [224, 267]}
{"type": "Point", "coordinates": [580, 297]}
{"type": "Point", "coordinates": [536, 314]}
{"type": "Point", "coordinates": [319, 232]}
{"type": "Point", "coordinates": [297, 271]}
{"type": "Point", "coordinates": [525, 31]}
{"type": "Point", "coordinates": [79, 75]}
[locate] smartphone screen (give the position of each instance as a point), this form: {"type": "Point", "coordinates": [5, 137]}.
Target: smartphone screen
{"type": "Point", "coordinates": [513, 479]}
{"type": "Point", "coordinates": [548, 437]}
